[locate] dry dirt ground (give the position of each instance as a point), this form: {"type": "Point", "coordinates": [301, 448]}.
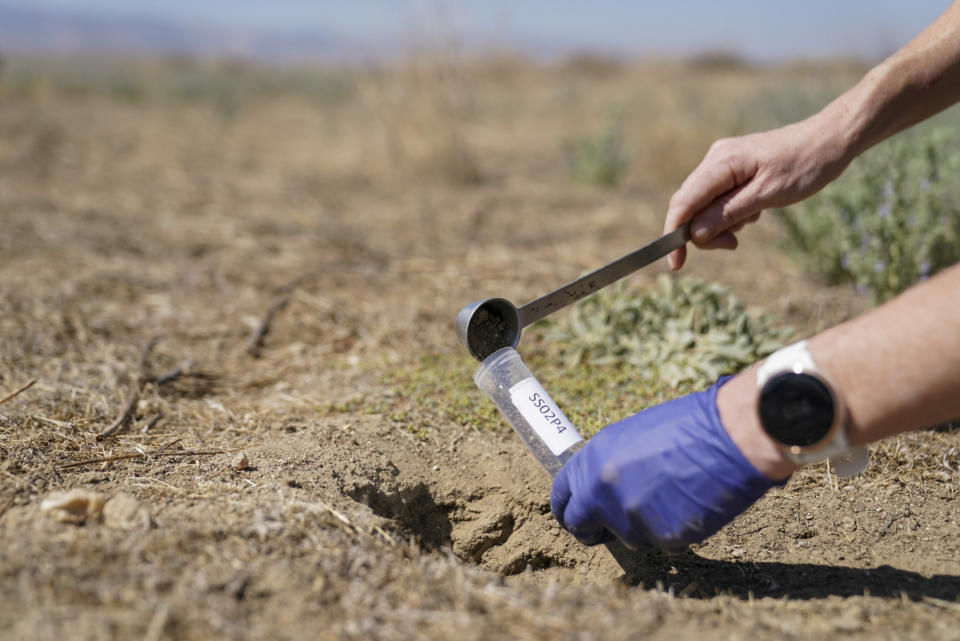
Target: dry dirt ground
{"type": "Point", "coordinates": [358, 516]}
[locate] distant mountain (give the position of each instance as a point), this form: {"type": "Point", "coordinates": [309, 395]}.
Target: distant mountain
{"type": "Point", "coordinates": [37, 31]}
{"type": "Point", "coordinates": [33, 31]}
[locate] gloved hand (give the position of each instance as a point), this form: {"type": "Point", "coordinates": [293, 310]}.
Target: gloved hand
{"type": "Point", "coordinates": [666, 477]}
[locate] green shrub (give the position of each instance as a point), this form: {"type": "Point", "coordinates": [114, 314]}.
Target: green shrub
{"type": "Point", "coordinates": [891, 221]}
{"type": "Point", "coordinates": [685, 332]}
{"type": "Point", "coordinates": [599, 161]}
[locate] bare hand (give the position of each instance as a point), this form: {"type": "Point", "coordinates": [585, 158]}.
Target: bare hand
{"type": "Point", "coordinates": [740, 177]}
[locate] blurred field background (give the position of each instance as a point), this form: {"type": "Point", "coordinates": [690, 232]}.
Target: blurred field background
{"type": "Point", "coordinates": [270, 257]}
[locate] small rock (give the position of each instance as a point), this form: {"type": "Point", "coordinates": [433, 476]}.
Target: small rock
{"type": "Point", "coordinates": [89, 478]}
{"type": "Point", "coordinates": [240, 462]}
{"type": "Point", "coordinates": [436, 468]}
{"type": "Point", "coordinates": [74, 506]}
{"type": "Point", "coordinates": [848, 523]}
{"type": "Point", "coordinates": [126, 512]}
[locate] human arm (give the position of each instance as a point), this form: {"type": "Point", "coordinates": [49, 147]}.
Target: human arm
{"type": "Point", "coordinates": [740, 177]}
{"type": "Point", "coordinates": [897, 368]}
{"type": "Point", "coordinates": [675, 473]}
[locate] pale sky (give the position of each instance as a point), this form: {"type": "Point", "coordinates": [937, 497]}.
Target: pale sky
{"type": "Point", "coordinates": [761, 29]}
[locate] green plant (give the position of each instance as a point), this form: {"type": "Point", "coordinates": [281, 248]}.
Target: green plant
{"type": "Point", "coordinates": [685, 333]}
{"type": "Point", "coordinates": [599, 161]}
{"type": "Point", "coordinates": [891, 221]}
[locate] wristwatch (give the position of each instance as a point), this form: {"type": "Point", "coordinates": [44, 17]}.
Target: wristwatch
{"type": "Point", "coordinates": [800, 410]}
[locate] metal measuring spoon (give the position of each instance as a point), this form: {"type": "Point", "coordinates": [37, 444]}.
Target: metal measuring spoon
{"type": "Point", "coordinates": [484, 326]}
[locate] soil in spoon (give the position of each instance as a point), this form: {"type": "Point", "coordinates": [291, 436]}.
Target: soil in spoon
{"type": "Point", "coordinates": [488, 332]}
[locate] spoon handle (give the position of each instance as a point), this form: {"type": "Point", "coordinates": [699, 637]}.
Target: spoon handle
{"type": "Point", "coordinates": [600, 278]}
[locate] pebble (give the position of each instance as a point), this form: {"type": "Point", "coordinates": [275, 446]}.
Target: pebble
{"type": "Point", "coordinates": [240, 462]}
{"type": "Point", "coordinates": [74, 506]}
{"type": "Point", "coordinates": [78, 506]}
{"type": "Point", "coordinates": [89, 478]}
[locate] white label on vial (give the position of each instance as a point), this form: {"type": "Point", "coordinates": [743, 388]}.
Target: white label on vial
{"type": "Point", "coordinates": [544, 416]}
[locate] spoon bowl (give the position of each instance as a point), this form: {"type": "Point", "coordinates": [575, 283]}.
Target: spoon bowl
{"type": "Point", "coordinates": [484, 326]}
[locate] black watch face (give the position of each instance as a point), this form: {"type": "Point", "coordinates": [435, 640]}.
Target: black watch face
{"type": "Point", "coordinates": [796, 409]}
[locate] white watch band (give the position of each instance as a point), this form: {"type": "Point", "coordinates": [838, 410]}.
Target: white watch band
{"type": "Point", "coordinates": [846, 460]}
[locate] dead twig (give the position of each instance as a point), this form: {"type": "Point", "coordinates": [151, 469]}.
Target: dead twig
{"type": "Point", "coordinates": [255, 343]}
{"type": "Point", "coordinates": [53, 421]}
{"type": "Point", "coordinates": [153, 421]}
{"type": "Point", "coordinates": [123, 457]}
{"type": "Point", "coordinates": [942, 603]}
{"type": "Point", "coordinates": [17, 392]}
{"type": "Point", "coordinates": [320, 507]}
{"type": "Point", "coordinates": [893, 519]}
{"type": "Point", "coordinates": [145, 353]}
{"type": "Point", "coordinates": [170, 375]}
{"type": "Point", "coordinates": [129, 407]}
{"type": "Point", "coordinates": [133, 397]}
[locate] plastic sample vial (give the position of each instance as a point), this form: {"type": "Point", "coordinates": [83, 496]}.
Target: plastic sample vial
{"type": "Point", "coordinates": [549, 435]}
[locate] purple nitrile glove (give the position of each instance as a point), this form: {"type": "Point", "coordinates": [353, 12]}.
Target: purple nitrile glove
{"type": "Point", "coordinates": [666, 477]}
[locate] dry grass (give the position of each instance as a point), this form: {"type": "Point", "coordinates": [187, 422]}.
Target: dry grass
{"type": "Point", "coordinates": [368, 509]}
